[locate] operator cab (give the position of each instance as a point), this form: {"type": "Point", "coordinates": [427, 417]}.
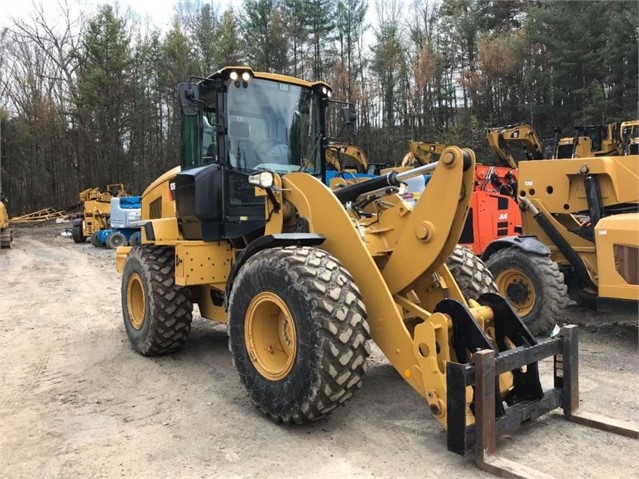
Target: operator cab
{"type": "Point", "coordinates": [236, 123]}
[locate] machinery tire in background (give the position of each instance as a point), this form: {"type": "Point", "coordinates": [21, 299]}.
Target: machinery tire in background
{"type": "Point", "coordinates": [533, 285]}
{"type": "Point", "coordinates": [471, 274]}
{"type": "Point", "coordinates": [76, 234]}
{"type": "Point", "coordinates": [135, 239]}
{"type": "Point", "coordinates": [94, 240]}
{"type": "Point", "coordinates": [297, 333]}
{"type": "Point", "coordinates": [579, 294]}
{"type": "Point", "coordinates": [115, 240]}
{"type": "Point", "coordinates": [157, 313]}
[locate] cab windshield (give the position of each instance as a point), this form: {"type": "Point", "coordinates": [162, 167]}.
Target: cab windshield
{"type": "Point", "coordinates": [273, 126]}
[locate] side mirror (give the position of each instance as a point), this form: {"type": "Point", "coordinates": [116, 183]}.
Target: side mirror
{"type": "Point", "coordinates": [189, 98]}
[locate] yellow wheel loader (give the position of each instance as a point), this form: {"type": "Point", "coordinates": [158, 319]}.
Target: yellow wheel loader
{"type": "Point", "coordinates": [6, 235]}
{"type": "Point", "coordinates": [303, 277]}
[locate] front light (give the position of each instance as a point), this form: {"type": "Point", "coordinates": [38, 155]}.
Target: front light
{"type": "Point", "coordinates": [246, 76]}
{"type": "Point", "coordinates": [233, 75]}
{"type": "Point", "coordinates": [329, 93]}
{"type": "Point", "coordinates": [264, 179]}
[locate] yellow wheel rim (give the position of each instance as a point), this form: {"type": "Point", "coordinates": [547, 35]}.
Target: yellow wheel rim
{"type": "Point", "coordinates": [518, 289]}
{"type": "Point", "coordinates": [135, 300]}
{"type": "Point", "coordinates": [270, 336]}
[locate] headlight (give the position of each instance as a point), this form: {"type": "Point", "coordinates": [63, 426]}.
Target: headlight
{"type": "Point", "coordinates": [264, 179]}
{"type": "Point", "coordinates": [246, 76]}
{"type": "Point", "coordinates": [233, 75]}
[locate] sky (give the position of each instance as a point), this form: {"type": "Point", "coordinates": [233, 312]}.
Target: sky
{"type": "Point", "coordinates": [159, 12]}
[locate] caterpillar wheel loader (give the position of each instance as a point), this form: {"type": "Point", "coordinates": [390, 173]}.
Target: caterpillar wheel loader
{"type": "Point", "coordinates": [303, 277]}
{"type": "Point", "coordinates": [6, 235]}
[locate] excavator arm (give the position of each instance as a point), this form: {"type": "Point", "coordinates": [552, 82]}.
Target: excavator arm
{"type": "Point", "coordinates": [502, 139]}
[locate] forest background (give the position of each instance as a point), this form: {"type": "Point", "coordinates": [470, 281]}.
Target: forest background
{"type": "Point", "coordinates": [88, 100]}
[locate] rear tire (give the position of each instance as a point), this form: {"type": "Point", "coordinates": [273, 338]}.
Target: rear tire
{"type": "Point", "coordinates": [157, 313]}
{"type": "Point", "coordinates": [297, 333]}
{"type": "Point", "coordinates": [76, 234]}
{"type": "Point", "coordinates": [533, 285]}
{"type": "Point", "coordinates": [471, 274]}
{"type": "Point", "coordinates": [135, 239]}
{"type": "Point", "coordinates": [95, 241]}
{"type": "Point", "coordinates": [115, 240]}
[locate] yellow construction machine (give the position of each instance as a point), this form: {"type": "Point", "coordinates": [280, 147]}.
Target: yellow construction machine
{"type": "Point", "coordinates": [630, 137]}
{"type": "Point", "coordinates": [586, 212]}
{"type": "Point", "coordinates": [96, 203]}
{"type": "Point", "coordinates": [421, 153]}
{"type": "Point", "coordinates": [590, 140]}
{"type": "Point", "coordinates": [303, 277]}
{"type": "Point", "coordinates": [502, 139]}
{"type": "Point", "coordinates": [6, 235]}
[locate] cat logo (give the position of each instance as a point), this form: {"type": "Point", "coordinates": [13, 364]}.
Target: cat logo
{"type": "Point", "coordinates": [503, 216]}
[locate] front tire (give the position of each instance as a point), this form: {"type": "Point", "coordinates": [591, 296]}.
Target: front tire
{"type": "Point", "coordinates": [297, 333]}
{"type": "Point", "coordinates": [157, 313]}
{"type": "Point", "coordinates": [471, 274]}
{"type": "Point", "coordinates": [533, 285]}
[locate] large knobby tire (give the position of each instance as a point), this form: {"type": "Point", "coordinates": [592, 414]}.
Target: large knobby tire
{"type": "Point", "coordinates": [533, 285]}
{"type": "Point", "coordinates": [76, 234]}
{"type": "Point", "coordinates": [135, 239]}
{"type": "Point", "coordinates": [297, 333]}
{"type": "Point", "coordinates": [471, 274]}
{"type": "Point", "coordinates": [157, 313]}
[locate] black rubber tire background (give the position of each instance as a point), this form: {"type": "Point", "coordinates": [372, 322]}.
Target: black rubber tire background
{"type": "Point", "coordinates": [76, 234]}
{"type": "Point", "coordinates": [135, 239]}
{"type": "Point", "coordinates": [471, 274]}
{"type": "Point", "coordinates": [116, 239]}
{"type": "Point", "coordinates": [94, 240]}
{"type": "Point", "coordinates": [548, 282]}
{"type": "Point", "coordinates": [331, 328]}
{"type": "Point", "coordinates": [169, 309]}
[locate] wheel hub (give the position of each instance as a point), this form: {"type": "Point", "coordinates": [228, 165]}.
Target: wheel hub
{"type": "Point", "coordinates": [135, 301]}
{"type": "Point", "coordinates": [518, 289]}
{"type": "Point", "coordinates": [270, 336]}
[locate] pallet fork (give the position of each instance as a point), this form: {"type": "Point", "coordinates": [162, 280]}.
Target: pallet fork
{"type": "Point", "coordinates": [482, 373]}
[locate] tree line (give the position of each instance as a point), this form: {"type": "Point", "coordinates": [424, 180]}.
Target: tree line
{"type": "Point", "coordinates": [88, 101]}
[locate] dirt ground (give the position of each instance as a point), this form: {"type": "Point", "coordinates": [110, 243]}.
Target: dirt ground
{"type": "Point", "coordinates": [77, 401]}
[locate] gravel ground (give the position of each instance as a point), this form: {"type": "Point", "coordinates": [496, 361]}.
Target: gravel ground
{"type": "Point", "coordinates": [77, 401]}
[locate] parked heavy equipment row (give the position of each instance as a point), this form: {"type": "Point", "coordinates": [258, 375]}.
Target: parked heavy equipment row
{"type": "Point", "coordinates": [303, 277]}
{"type": "Point", "coordinates": [123, 224]}
{"type": "Point", "coordinates": [96, 204]}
